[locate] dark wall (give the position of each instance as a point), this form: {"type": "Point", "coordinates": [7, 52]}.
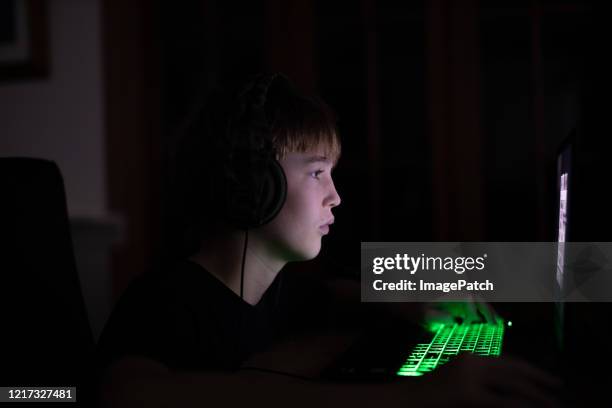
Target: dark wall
{"type": "Point", "coordinates": [450, 113]}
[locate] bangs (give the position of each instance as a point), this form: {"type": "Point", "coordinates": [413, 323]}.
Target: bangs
{"type": "Point", "coordinates": [301, 125]}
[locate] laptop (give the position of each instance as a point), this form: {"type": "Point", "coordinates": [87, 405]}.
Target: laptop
{"type": "Point", "coordinates": [583, 328]}
{"type": "Point", "coordinates": [383, 353]}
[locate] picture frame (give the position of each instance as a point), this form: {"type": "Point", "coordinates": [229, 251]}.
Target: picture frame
{"type": "Point", "coordinates": [24, 40]}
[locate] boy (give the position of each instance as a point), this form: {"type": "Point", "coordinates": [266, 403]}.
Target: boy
{"type": "Point", "coordinates": [258, 194]}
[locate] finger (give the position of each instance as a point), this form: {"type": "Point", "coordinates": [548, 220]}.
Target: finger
{"type": "Point", "coordinates": [439, 316]}
{"type": "Point", "coordinates": [470, 312]}
{"type": "Point", "coordinates": [487, 312]}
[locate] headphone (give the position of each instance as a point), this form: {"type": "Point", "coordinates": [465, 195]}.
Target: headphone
{"type": "Point", "coordinates": [253, 186]}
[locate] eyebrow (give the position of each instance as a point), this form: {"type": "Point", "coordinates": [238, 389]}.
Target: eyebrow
{"type": "Point", "coordinates": [319, 159]}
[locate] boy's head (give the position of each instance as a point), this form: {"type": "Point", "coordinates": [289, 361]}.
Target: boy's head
{"type": "Point", "coordinates": [303, 133]}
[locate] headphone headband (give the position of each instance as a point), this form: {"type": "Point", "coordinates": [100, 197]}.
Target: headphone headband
{"type": "Point", "coordinates": [255, 186]}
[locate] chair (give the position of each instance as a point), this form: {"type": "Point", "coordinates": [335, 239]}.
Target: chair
{"type": "Point", "coordinates": [46, 333]}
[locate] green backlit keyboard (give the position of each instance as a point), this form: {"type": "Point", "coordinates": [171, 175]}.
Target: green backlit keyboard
{"type": "Point", "coordinates": [484, 339]}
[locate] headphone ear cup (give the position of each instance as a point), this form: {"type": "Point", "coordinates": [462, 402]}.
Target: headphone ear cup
{"type": "Point", "coordinates": [253, 196]}
{"type": "Point", "coordinates": [274, 192]}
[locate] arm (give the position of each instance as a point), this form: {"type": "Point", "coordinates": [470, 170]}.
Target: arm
{"type": "Point", "coordinates": [346, 302]}
{"type": "Point", "coordinates": [345, 295]}
{"type": "Point", "coordinates": [467, 381]}
{"type": "Point", "coordinates": [141, 382]}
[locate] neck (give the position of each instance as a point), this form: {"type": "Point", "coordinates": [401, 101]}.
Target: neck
{"type": "Point", "coordinates": [222, 257]}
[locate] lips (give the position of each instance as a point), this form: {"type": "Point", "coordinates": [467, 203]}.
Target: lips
{"type": "Point", "coordinates": [325, 227]}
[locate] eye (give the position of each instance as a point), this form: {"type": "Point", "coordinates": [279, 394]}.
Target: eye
{"type": "Point", "coordinates": [315, 174]}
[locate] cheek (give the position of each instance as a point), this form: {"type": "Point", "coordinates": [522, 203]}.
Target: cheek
{"type": "Point", "coordinates": [294, 213]}
{"type": "Point", "coordinates": [289, 220]}
{"type": "Point", "coordinates": [301, 205]}
{"type": "Point", "coordinates": [295, 228]}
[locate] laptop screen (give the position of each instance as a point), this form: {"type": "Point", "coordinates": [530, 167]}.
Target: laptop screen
{"type": "Point", "coordinates": [563, 189]}
{"type": "Point", "coordinates": [564, 184]}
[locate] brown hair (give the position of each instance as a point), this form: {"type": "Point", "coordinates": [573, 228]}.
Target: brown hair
{"type": "Point", "coordinates": [298, 123]}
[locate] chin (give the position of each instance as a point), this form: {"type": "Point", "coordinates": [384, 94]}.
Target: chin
{"type": "Point", "coordinates": [307, 254]}
{"type": "Point", "coordinates": [296, 248]}
{"type": "Point", "coordinates": [315, 253]}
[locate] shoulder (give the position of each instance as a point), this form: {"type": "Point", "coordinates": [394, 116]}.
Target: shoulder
{"type": "Point", "coordinates": [161, 298]}
{"type": "Point", "coordinates": [181, 280]}
{"type": "Point", "coordinates": [159, 312]}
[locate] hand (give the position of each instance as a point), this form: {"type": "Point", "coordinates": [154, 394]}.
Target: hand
{"type": "Point", "coordinates": [452, 312]}
{"type": "Point", "coordinates": [475, 381]}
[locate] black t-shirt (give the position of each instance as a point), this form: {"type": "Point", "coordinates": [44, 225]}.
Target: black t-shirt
{"type": "Point", "coordinates": [187, 319]}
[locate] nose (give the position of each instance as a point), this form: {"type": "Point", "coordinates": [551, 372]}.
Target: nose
{"type": "Point", "coordinates": [333, 198]}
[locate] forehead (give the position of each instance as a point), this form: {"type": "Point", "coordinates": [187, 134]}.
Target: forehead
{"type": "Point", "coordinates": [307, 158]}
